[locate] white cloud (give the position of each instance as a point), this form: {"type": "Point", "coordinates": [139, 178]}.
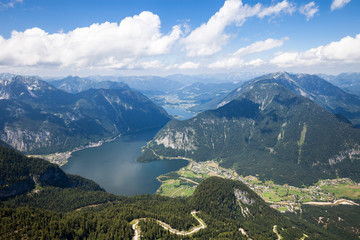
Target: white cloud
{"type": "Point", "coordinates": [347, 50]}
{"type": "Point", "coordinates": [227, 63]}
{"type": "Point", "coordinates": [210, 37]}
{"type": "Point", "coordinates": [261, 46]}
{"type": "Point", "coordinates": [9, 3]}
{"type": "Point", "coordinates": [235, 63]}
{"type": "Point", "coordinates": [235, 60]}
{"type": "Point", "coordinates": [189, 65]}
{"type": "Point", "coordinates": [104, 45]}
{"type": "Point", "coordinates": [309, 10]}
{"type": "Point", "coordinates": [283, 6]}
{"type": "Point", "coordinates": [338, 4]}
{"type": "Point", "coordinates": [255, 63]}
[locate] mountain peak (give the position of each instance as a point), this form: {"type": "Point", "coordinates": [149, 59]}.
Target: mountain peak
{"type": "Point", "coordinates": [267, 130]}
{"type": "Point", "coordinates": [281, 74]}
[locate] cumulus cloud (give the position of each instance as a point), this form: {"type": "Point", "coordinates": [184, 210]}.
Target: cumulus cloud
{"type": "Point", "coordinates": [309, 10]}
{"type": "Point", "coordinates": [227, 63]}
{"type": "Point", "coordinates": [338, 4]}
{"type": "Point", "coordinates": [256, 62]}
{"type": "Point", "coordinates": [210, 37]}
{"type": "Point", "coordinates": [189, 65]}
{"type": "Point", "coordinates": [105, 45]}
{"type": "Point", "coordinates": [347, 50]}
{"type": "Point", "coordinates": [261, 46]}
{"type": "Point", "coordinates": [283, 6]}
{"type": "Point", "coordinates": [235, 60]}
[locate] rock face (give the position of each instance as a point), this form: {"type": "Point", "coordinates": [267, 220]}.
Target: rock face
{"type": "Point", "coordinates": [178, 140]}
{"type": "Point", "coordinates": [243, 197]}
{"type": "Point", "coordinates": [37, 118]}
{"type": "Point", "coordinates": [269, 131]}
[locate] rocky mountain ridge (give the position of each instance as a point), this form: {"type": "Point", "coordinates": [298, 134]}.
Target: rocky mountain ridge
{"type": "Point", "coordinates": [313, 87]}
{"type": "Point", "coordinates": [267, 131]}
{"type": "Point", "coordinates": [39, 118]}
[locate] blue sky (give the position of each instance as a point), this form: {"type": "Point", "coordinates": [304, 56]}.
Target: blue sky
{"type": "Point", "coordinates": [160, 37]}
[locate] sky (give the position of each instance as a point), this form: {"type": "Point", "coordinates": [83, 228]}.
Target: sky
{"type": "Point", "coordinates": [162, 37]}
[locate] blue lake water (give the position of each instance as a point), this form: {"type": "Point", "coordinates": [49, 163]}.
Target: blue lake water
{"type": "Point", "coordinates": [179, 113]}
{"type": "Point", "coordinates": [114, 167]}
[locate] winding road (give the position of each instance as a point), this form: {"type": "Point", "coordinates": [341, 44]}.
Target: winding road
{"type": "Point", "coordinates": [166, 226]}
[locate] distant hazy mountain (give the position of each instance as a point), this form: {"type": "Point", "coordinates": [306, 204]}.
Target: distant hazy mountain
{"type": "Point", "coordinates": [214, 78]}
{"type": "Point", "coordinates": [202, 93]}
{"type": "Point", "coordinates": [39, 118]}
{"type": "Point", "coordinates": [76, 84]}
{"type": "Point", "coordinates": [350, 82]}
{"type": "Point", "coordinates": [267, 130]}
{"type": "Point", "coordinates": [199, 91]}
{"type": "Point", "coordinates": [313, 87]}
{"type": "Point", "coordinates": [144, 84]}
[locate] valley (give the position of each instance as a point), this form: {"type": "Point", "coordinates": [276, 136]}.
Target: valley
{"type": "Point", "coordinates": [262, 181]}
{"type": "Point", "coordinates": [180, 120]}
{"type": "Point", "coordinates": [284, 198]}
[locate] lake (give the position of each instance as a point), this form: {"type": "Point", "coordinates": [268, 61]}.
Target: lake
{"type": "Point", "coordinates": [179, 113]}
{"type": "Point", "coordinates": [114, 167]}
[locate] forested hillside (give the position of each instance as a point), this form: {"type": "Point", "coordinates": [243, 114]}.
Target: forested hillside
{"type": "Point", "coordinates": [267, 131]}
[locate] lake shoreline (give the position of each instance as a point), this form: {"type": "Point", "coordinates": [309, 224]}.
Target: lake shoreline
{"type": "Point", "coordinates": [61, 158]}
{"type": "Point", "coordinates": [114, 165]}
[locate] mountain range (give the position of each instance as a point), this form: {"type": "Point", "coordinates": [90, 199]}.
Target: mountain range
{"type": "Point", "coordinates": [38, 118]}
{"type": "Point", "coordinates": [290, 128]}
{"type": "Point", "coordinates": [269, 131]}
{"type": "Point", "coordinates": [350, 82]}
{"type": "Point", "coordinates": [320, 91]}
{"type": "Point", "coordinates": [74, 84]}
{"type": "Point", "coordinates": [193, 92]}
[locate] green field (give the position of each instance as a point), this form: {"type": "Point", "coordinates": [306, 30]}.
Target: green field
{"type": "Point", "coordinates": [344, 191]}
{"type": "Point", "coordinates": [183, 183]}
{"type": "Point", "coordinates": [271, 196]}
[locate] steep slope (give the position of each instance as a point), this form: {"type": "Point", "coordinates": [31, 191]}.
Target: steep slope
{"type": "Point", "coordinates": [313, 87]}
{"type": "Point", "coordinates": [245, 214]}
{"type": "Point", "coordinates": [268, 131]}
{"type": "Point", "coordinates": [38, 118]}
{"type": "Point", "coordinates": [76, 84]}
{"type": "Point", "coordinates": [19, 174]}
